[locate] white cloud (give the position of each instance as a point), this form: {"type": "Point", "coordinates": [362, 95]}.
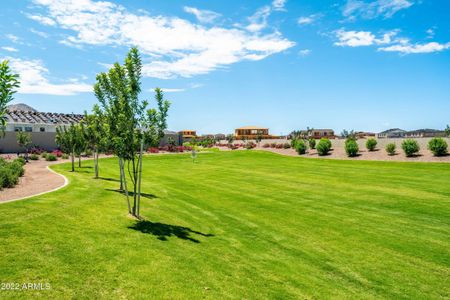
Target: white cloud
{"type": "Point", "coordinates": [39, 33]}
{"type": "Point", "coordinates": [13, 38]}
{"type": "Point", "coordinates": [278, 4]}
{"type": "Point", "coordinates": [308, 19]}
{"type": "Point", "coordinates": [33, 80]}
{"type": "Point", "coordinates": [10, 49]}
{"type": "Point", "coordinates": [171, 90]}
{"type": "Point", "coordinates": [391, 42]}
{"type": "Point", "coordinates": [374, 9]}
{"type": "Point", "coordinates": [305, 20]}
{"type": "Point", "coordinates": [259, 20]}
{"type": "Point", "coordinates": [430, 33]}
{"type": "Point", "coordinates": [43, 20]}
{"type": "Point", "coordinates": [204, 16]}
{"type": "Point", "coordinates": [362, 38]}
{"type": "Point", "coordinates": [304, 52]}
{"type": "Point", "coordinates": [416, 48]}
{"type": "Point", "coordinates": [171, 46]}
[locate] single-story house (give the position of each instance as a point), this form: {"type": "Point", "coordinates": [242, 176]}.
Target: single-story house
{"type": "Point", "coordinates": [252, 132]}
{"type": "Point", "coordinates": [41, 126]}
{"type": "Point", "coordinates": [425, 133]}
{"type": "Point", "coordinates": [321, 133]}
{"type": "Point", "coordinates": [392, 133]}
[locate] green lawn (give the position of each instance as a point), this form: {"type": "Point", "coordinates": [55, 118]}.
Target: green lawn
{"type": "Point", "coordinates": [246, 225]}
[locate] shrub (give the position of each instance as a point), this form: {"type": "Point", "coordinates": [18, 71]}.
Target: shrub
{"type": "Point", "coordinates": [279, 146]}
{"type": "Point", "coordinates": [351, 148]}
{"type": "Point", "coordinates": [65, 156]}
{"type": "Point", "coordinates": [44, 154]}
{"type": "Point", "coordinates": [7, 178]}
{"type": "Point", "coordinates": [266, 145]}
{"type": "Point", "coordinates": [57, 153]}
{"type": "Point", "coordinates": [17, 168]}
{"type": "Point", "coordinates": [20, 160]}
{"type": "Point", "coordinates": [300, 147]}
{"type": "Point", "coordinates": [10, 173]}
{"type": "Point", "coordinates": [323, 147]}
{"type": "Point", "coordinates": [34, 157]}
{"type": "Point", "coordinates": [250, 145]}
{"type": "Point", "coordinates": [36, 150]}
{"type": "Point", "coordinates": [273, 145]}
{"type": "Point", "coordinates": [51, 157]}
{"type": "Point", "coordinates": [293, 143]}
{"type": "Point", "coordinates": [390, 148]}
{"type": "Point", "coordinates": [153, 150]}
{"type": "Point", "coordinates": [312, 143]}
{"type": "Point", "coordinates": [438, 146]}
{"type": "Point", "coordinates": [411, 147]}
{"type": "Point", "coordinates": [371, 144]}
{"type": "Point", "coordinates": [286, 145]}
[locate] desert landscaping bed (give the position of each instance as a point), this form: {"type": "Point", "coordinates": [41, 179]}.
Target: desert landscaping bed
{"type": "Point", "coordinates": [338, 151]}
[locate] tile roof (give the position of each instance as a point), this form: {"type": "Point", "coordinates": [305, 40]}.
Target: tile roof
{"type": "Point", "coordinates": [34, 117]}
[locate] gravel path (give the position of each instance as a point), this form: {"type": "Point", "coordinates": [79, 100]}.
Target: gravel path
{"type": "Point", "coordinates": [37, 179]}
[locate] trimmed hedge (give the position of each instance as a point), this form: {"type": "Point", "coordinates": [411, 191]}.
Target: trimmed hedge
{"type": "Point", "coordinates": [438, 146]}
{"type": "Point", "coordinates": [390, 148]}
{"type": "Point", "coordinates": [351, 148]}
{"type": "Point", "coordinates": [300, 147]}
{"type": "Point", "coordinates": [410, 147]}
{"type": "Point", "coordinates": [323, 147]}
{"type": "Point", "coordinates": [371, 144]}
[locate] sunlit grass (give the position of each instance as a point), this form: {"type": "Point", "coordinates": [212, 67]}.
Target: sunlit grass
{"type": "Point", "coordinates": [246, 225]}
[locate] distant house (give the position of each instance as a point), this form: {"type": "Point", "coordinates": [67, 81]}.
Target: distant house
{"type": "Point", "coordinates": [219, 136]}
{"type": "Point", "coordinates": [364, 135]}
{"type": "Point", "coordinates": [42, 127]}
{"type": "Point", "coordinates": [171, 136]}
{"type": "Point", "coordinates": [420, 133]}
{"type": "Point", "coordinates": [252, 132]}
{"type": "Point", "coordinates": [392, 133]}
{"type": "Point", "coordinates": [187, 135]}
{"type": "Point", "coordinates": [321, 133]}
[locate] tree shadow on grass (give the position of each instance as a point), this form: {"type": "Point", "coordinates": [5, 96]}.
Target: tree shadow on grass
{"type": "Point", "coordinates": [108, 179]}
{"type": "Point", "coordinates": [131, 194]}
{"type": "Point", "coordinates": [163, 231]}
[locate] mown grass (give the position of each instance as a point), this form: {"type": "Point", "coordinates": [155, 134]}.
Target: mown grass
{"type": "Point", "coordinates": [247, 225]}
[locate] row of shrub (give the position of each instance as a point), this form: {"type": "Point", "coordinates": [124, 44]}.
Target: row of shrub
{"type": "Point", "coordinates": [169, 148]}
{"type": "Point", "coordinates": [277, 146]}
{"type": "Point", "coordinates": [301, 146]}
{"type": "Point", "coordinates": [10, 171]}
{"type": "Point", "coordinates": [438, 146]}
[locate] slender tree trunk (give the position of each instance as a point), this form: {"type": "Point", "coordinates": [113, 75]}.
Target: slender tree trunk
{"type": "Point", "coordinates": [134, 186]}
{"type": "Point", "coordinates": [96, 163]}
{"type": "Point", "coordinates": [79, 160]}
{"type": "Point", "coordinates": [72, 156]}
{"type": "Point", "coordinates": [122, 174]}
{"type": "Point", "coordinates": [121, 177]}
{"type": "Point", "coordinates": [139, 179]}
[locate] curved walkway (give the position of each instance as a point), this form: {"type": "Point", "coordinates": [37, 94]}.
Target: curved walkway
{"type": "Point", "coordinates": [37, 180]}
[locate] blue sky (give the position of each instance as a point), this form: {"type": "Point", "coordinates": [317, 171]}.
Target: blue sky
{"type": "Point", "coordinates": [353, 64]}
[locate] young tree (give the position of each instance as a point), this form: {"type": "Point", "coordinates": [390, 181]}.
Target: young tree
{"type": "Point", "coordinates": [95, 133]}
{"type": "Point", "coordinates": [9, 82]}
{"type": "Point", "coordinates": [24, 140]}
{"type": "Point", "coordinates": [80, 143]}
{"type": "Point", "coordinates": [130, 123]}
{"type": "Point", "coordinates": [66, 139]}
{"type": "Point", "coordinates": [447, 130]}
